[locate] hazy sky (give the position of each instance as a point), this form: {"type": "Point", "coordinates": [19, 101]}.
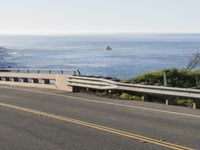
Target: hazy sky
{"type": "Point", "coordinates": [98, 16]}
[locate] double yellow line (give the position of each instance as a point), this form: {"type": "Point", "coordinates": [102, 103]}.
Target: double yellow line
{"type": "Point", "coordinates": [98, 127]}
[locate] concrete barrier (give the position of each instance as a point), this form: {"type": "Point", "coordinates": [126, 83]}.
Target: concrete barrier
{"type": "Point", "coordinates": [51, 81]}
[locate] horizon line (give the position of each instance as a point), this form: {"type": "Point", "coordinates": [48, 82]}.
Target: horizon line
{"type": "Point", "coordinates": [90, 33]}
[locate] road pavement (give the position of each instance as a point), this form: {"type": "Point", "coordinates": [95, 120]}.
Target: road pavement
{"type": "Point", "coordinates": [50, 119]}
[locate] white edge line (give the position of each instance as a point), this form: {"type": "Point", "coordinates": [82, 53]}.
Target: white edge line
{"type": "Point", "coordinates": [103, 102]}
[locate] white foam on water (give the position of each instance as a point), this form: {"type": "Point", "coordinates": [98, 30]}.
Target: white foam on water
{"type": "Point", "coordinates": [12, 53]}
{"type": "Point", "coordinates": [87, 65]}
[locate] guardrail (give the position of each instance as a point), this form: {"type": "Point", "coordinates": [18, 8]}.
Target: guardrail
{"type": "Point", "coordinates": [103, 84]}
{"type": "Point", "coordinates": [23, 77]}
{"type": "Point", "coordinates": [40, 70]}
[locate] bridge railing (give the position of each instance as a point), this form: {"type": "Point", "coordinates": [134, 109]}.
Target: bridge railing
{"type": "Point", "coordinates": [42, 71]}
{"type": "Point", "coordinates": [40, 78]}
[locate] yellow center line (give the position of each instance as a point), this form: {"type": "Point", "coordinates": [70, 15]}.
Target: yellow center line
{"type": "Point", "coordinates": [99, 127]}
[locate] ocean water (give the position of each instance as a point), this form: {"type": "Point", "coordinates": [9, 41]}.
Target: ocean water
{"type": "Point", "coordinates": [132, 54]}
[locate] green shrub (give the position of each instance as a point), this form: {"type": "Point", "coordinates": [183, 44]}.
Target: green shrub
{"type": "Point", "coordinates": [148, 78]}
{"type": "Point", "coordinates": [183, 102]}
{"type": "Point", "coordinates": [175, 78]}
{"type": "Point", "coordinates": [127, 96]}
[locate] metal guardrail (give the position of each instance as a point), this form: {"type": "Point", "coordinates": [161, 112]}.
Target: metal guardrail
{"type": "Point", "coordinates": [95, 83]}
{"type": "Point", "coordinates": [108, 84]}
{"type": "Point", "coordinates": [104, 84]}
{"type": "Point", "coordinates": [40, 70]}
{"type": "Point", "coordinates": [31, 77]}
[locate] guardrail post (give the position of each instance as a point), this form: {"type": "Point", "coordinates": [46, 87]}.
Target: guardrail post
{"type": "Point", "coordinates": [165, 78]}
{"type": "Point", "coordinates": [166, 101]}
{"type": "Point", "coordinates": [144, 97]}
{"type": "Point", "coordinates": [87, 89]}
{"type": "Point", "coordinates": [196, 104]}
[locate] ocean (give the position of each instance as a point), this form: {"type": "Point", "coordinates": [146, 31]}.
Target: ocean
{"type": "Point", "coordinates": [131, 54]}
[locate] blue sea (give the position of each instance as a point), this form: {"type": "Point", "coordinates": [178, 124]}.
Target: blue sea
{"type": "Point", "coordinates": [131, 54]}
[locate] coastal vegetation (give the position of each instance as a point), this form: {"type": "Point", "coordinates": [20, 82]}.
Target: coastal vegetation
{"type": "Point", "coordinates": [175, 78]}
{"type": "Point", "coordinates": [181, 78]}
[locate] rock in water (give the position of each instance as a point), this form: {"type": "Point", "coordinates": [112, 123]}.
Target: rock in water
{"type": "Point", "coordinates": [109, 48]}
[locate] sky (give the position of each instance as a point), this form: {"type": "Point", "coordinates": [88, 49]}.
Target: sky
{"type": "Point", "coordinates": [99, 16]}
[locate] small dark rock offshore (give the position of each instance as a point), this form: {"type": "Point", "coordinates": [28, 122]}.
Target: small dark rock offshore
{"type": "Point", "coordinates": [109, 48]}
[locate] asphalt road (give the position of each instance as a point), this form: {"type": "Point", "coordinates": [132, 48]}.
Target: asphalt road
{"type": "Point", "coordinates": [39, 119]}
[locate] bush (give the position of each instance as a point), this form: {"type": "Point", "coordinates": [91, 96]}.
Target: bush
{"type": "Point", "coordinates": [148, 78]}
{"type": "Point", "coordinates": [175, 78]}
{"type": "Point", "coordinates": [183, 102]}
{"type": "Point", "coordinates": [126, 96]}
